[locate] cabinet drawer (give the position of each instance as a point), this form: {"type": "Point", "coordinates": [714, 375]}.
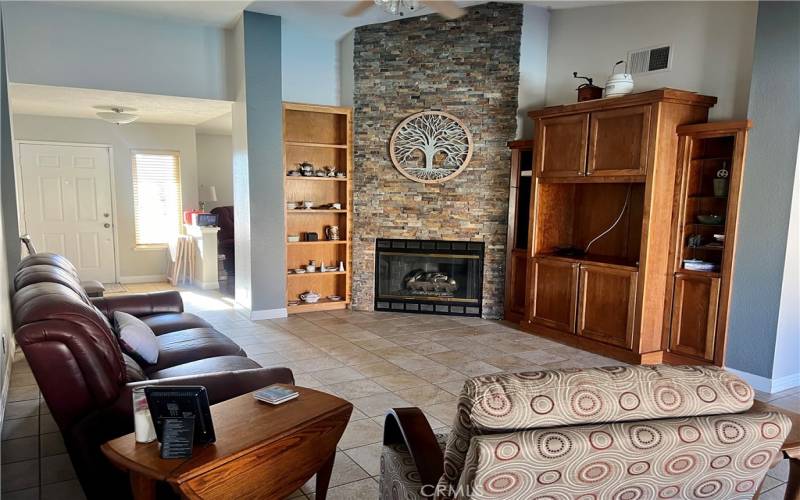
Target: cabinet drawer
{"type": "Point", "coordinates": [619, 141]}
{"type": "Point", "coordinates": [607, 304]}
{"type": "Point", "coordinates": [561, 146]}
{"type": "Point", "coordinates": [554, 293]}
{"type": "Point", "coordinates": [695, 305]}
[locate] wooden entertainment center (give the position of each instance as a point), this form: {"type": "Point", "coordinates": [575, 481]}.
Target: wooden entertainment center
{"type": "Point", "coordinates": [614, 188]}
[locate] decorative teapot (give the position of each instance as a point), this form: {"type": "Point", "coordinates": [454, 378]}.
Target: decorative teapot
{"type": "Point", "coordinates": [310, 297]}
{"type": "Point", "coordinates": [306, 168]}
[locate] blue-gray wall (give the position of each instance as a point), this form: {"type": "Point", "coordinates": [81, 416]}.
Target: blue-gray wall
{"type": "Point", "coordinates": [8, 192]}
{"type": "Point", "coordinates": [6, 328]}
{"type": "Point", "coordinates": [264, 112]}
{"type": "Point", "coordinates": [774, 108]}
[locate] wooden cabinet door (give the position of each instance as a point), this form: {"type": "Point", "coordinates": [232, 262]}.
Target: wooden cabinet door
{"type": "Point", "coordinates": [516, 287]}
{"type": "Point", "coordinates": [695, 304]}
{"type": "Point", "coordinates": [561, 146]}
{"type": "Point", "coordinates": [607, 304]}
{"type": "Point", "coordinates": [619, 141]}
{"type": "Point", "coordinates": [554, 294]}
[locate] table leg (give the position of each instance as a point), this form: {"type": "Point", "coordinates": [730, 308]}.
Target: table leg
{"type": "Point", "coordinates": [324, 478]}
{"type": "Point", "coordinates": [144, 488]}
{"type": "Point", "coordinates": [793, 485]}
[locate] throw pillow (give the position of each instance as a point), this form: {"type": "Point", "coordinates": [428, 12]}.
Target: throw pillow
{"type": "Point", "coordinates": [136, 338]}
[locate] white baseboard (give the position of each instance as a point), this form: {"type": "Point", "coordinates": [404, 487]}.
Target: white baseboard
{"type": "Point", "coordinates": [268, 314]}
{"type": "Point", "coordinates": [768, 385]}
{"type": "Point", "coordinates": [145, 278]}
{"type": "Point", "coordinates": [208, 285]}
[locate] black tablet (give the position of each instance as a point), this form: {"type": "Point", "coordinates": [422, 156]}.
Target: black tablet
{"type": "Point", "coordinates": [167, 402]}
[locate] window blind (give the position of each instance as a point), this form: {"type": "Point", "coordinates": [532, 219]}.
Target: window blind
{"type": "Point", "coordinates": [156, 197]}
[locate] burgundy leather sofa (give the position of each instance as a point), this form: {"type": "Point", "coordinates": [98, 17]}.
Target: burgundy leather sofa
{"type": "Point", "coordinates": [93, 288]}
{"type": "Point", "coordinates": [86, 380]}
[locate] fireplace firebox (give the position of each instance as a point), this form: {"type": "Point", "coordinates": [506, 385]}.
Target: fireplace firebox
{"type": "Point", "coordinates": [429, 277]}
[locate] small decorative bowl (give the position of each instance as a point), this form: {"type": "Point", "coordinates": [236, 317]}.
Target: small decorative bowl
{"type": "Point", "coordinates": [719, 237]}
{"type": "Point", "coordinates": [293, 238]}
{"type": "Point", "coordinates": [299, 270]}
{"type": "Point", "coordinates": [334, 298]}
{"type": "Point", "coordinates": [710, 219]}
{"type": "Point", "coordinates": [290, 205]}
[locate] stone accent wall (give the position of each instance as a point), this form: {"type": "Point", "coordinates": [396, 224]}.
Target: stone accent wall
{"type": "Point", "coordinates": [468, 67]}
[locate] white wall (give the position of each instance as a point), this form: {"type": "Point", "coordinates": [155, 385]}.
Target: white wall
{"type": "Point", "coordinates": [215, 167]}
{"type": "Point", "coordinates": [308, 66]}
{"type": "Point", "coordinates": [712, 43]}
{"type": "Point", "coordinates": [62, 45]}
{"type": "Point", "coordinates": [787, 340]}
{"type": "Point", "coordinates": [122, 139]}
{"type": "Point", "coordinates": [532, 66]}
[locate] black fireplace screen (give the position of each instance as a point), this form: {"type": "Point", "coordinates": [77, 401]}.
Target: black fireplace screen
{"type": "Point", "coordinates": [444, 277]}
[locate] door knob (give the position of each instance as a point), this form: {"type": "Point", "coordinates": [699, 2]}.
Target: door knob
{"type": "Point", "coordinates": [106, 225]}
{"type": "Point", "coordinates": [106, 214]}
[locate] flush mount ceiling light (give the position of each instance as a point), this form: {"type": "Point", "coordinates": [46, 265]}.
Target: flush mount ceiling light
{"type": "Point", "coordinates": [116, 114]}
{"type": "Point", "coordinates": [397, 7]}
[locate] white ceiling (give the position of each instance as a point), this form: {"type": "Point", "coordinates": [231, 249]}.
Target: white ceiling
{"type": "Point", "coordinates": [207, 115]}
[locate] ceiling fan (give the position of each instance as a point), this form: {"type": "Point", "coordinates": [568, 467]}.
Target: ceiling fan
{"type": "Point", "coordinates": [446, 8]}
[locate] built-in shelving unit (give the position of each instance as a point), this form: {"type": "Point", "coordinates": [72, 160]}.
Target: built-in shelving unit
{"type": "Point", "coordinates": [519, 202]}
{"type": "Point", "coordinates": [710, 166]}
{"type": "Point", "coordinates": [322, 136]}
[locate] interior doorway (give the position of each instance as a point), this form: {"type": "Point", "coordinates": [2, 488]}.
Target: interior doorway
{"type": "Point", "coordinates": [67, 204]}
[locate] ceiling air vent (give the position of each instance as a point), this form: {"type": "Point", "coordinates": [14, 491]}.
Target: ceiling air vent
{"type": "Point", "coordinates": [650, 60]}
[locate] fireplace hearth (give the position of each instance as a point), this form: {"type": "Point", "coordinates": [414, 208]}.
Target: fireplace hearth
{"type": "Point", "coordinates": [429, 277]}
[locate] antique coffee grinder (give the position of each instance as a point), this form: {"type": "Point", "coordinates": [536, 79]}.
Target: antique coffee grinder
{"type": "Point", "coordinates": [587, 91]}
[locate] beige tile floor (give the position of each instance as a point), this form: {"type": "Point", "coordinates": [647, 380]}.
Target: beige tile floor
{"type": "Point", "coordinates": [375, 360]}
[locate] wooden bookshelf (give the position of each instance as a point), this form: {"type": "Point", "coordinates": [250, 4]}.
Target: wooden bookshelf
{"type": "Point", "coordinates": [697, 302]}
{"type": "Point", "coordinates": [322, 136]}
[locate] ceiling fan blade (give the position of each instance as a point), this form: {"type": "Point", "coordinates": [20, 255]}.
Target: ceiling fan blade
{"type": "Point", "coordinates": [446, 8]}
{"type": "Point", "coordinates": [359, 8]}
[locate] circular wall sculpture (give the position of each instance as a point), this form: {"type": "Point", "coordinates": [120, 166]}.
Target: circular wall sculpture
{"type": "Point", "coordinates": [431, 147]}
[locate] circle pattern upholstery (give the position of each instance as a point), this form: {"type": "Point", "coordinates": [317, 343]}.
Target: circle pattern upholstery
{"type": "Point", "coordinates": [676, 433]}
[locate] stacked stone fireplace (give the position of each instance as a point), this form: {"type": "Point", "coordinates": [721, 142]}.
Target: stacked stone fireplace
{"type": "Point", "coordinates": [469, 68]}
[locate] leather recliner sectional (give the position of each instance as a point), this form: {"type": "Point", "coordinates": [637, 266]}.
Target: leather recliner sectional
{"type": "Point", "coordinates": [85, 378]}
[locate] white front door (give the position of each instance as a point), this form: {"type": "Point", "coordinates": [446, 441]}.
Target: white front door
{"type": "Point", "coordinates": [66, 192]}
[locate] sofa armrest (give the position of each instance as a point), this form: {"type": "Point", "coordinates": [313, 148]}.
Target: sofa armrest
{"type": "Point", "coordinates": [409, 426]}
{"type": "Point", "coordinates": [222, 386]}
{"type": "Point", "coordinates": [140, 304]}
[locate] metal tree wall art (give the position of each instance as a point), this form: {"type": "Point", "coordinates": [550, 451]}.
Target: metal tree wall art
{"type": "Point", "coordinates": [431, 146]}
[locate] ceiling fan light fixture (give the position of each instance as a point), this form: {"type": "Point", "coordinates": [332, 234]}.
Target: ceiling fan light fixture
{"type": "Point", "coordinates": [117, 116]}
{"type": "Point", "coordinates": [397, 7]}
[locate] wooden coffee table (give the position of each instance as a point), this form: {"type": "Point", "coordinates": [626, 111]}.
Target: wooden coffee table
{"type": "Point", "coordinates": [790, 449]}
{"type": "Point", "coordinates": [262, 451]}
